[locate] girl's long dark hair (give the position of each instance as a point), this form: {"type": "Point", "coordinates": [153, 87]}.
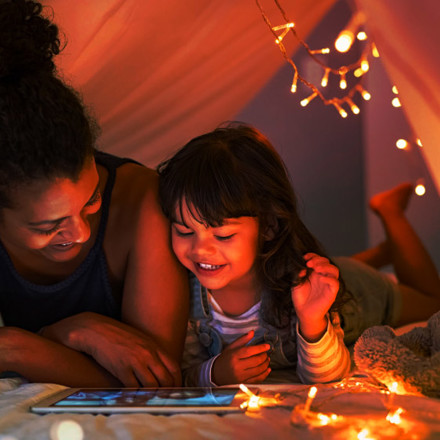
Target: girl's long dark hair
{"type": "Point", "coordinates": [234, 171]}
{"type": "Point", "coordinates": [45, 131]}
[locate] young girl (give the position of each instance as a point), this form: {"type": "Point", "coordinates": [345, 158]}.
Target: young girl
{"type": "Point", "coordinates": [264, 297]}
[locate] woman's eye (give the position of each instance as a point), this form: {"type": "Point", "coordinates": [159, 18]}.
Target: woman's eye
{"type": "Point", "coordinates": [96, 198]}
{"type": "Point", "coordinates": [48, 231]}
{"type": "Point", "coordinates": [224, 237]}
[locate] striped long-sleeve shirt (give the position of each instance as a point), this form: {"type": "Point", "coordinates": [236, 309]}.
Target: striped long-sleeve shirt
{"type": "Point", "coordinates": [323, 361]}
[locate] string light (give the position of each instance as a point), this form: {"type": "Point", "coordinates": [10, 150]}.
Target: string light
{"type": "Point", "coordinates": [342, 80]}
{"type": "Point", "coordinates": [324, 80]}
{"type": "Point", "coordinates": [419, 142]}
{"type": "Point", "coordinates": [420, 189]}
{"type": "Point", "coordinates": [353, 107]}
{"type": "Point", "coordinates": [341, 111]}
{"type": "Point", "coordinates": [366, 95]}
{"type": "Point", "coordinates": [396, 102]}
{"type": "Point", "coordinates": [361, 36]}
{"type": "Point", "coordinates": [294, 82]}
{"type": "Point", "coordinates": [345, 39]}
{"type": "Point", "coordinates": [306, 101]}
{"type": "Point", "coordinates": [361, 63]}
{"type": "Point", "coordinates": [365, 66]}
{"type": "Point", "coordinates": [374, 51]}
{"type": "Point", "coordinates": [359, 72]}
{"type": "Point", "coordinates": [286, 28]}
{"type": "Point", "coordinates": [394, 90]}
{"type": "Point", "coordinates": [324, 50]}
{"type": "Point", "coordinates": [401, 144]}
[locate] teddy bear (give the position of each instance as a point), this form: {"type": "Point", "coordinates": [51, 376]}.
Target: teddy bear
{"type": "Point", "coordinates": [411, 359]}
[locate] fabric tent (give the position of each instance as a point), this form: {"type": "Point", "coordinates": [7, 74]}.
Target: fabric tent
{"type": "Point", "coordinates": [158, 73]}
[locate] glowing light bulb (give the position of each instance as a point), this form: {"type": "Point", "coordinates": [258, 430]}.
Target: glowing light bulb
{"type": "Point", "coordinates": [324, 80]}
{"type": "Point", "coordinates": [364, 435]}
{"type": "Point", "coordinates": [363, 92]}
{"type": "Point", "coordinates": [365, 66]}
{"type": "Point", "coordinates": [401, 144]}
{"type": "Point", "coordinates": [353, 107]}
{"type": "Point", "coordinates": [396, 102]}
{"type": "Point", "coordinates": [361, 36]}
{"type": "Point", "coordinates": [324, 50]}
{"type": "Point", "coordinates": [343, 82]}
{"type": "Point", "coordinates": [358, 72]}
{"type": "Point", "coordinates": [394, 417]}
{"type": "Point", "coordinates": [341, 111]}
{"type": "Point", "coordinates": [286, 28]}
{"type": "Point", "coordinates": [310, 396]}
{"type": "Point", "coordinates": [374, 51]}
{"type": "Point", "coordinates": [306, 101]}
{"type": "Point", "coordinates": [294, 82]}
{"type": "Point", "coordinates": [395, 91]}
{"type": "Point", "coordinates": [344, 41]}
{"type": "Point", "coordinates": [66, 430]}
{"type": "Point", "coordinates": [419, 142]}
{"type": "Point", "coordinates": [420, 189]}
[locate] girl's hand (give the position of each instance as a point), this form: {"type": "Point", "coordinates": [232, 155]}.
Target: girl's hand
{"type": "Point", "coordinates": [313, 298]}
{"type": "Point", "coordinates": [125, 352]}
{"type": "Point", "coordinates": [239, 363]}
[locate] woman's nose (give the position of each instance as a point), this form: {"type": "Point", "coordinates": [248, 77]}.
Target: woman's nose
{"type": "Point", "coordinates": [77, 230]}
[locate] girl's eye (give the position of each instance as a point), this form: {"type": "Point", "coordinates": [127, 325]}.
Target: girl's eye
{"type": "Point", "coordinates": [183, 234]}
{"type": "Point", "coordinates": [224, 237]}
{"type": "Point", "coordinates": [48, 231]}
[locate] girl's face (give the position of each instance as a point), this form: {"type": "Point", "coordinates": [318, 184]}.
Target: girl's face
{"type": "Point", "coordinates": [51, 219]}
{"type": "Point", "coordinates": [221, 257]}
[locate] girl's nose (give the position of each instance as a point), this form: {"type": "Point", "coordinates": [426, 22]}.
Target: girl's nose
{"type": "Point", "coordinates": [77, 230]}
{"type": "Point", "coordinates": [203, 246]}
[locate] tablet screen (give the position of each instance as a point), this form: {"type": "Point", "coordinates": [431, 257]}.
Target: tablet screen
{"type": "Point", "coordinates": [153, 400]}
{"type": "Point", "coordinates": [149, 397]}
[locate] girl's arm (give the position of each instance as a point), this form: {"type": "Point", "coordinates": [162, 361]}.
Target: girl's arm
{"type": "Point", "coordinates": [322, 355]}
{"type": "Point", "coordinates": [41, 360]}
{"type": "Point", "coordinates": [325, 360]}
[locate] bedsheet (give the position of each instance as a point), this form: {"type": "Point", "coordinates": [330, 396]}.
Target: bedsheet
{"type": "Point", "coordinates": [360, 409]}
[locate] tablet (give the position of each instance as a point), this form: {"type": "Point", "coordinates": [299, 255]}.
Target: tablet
{"type": "Point", "coordinates": [148, 400]}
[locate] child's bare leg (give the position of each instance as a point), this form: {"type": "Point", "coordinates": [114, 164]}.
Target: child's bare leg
{"type": "Point", "coordinates": [377, 257]}
{"type": "Point", "coordinates": [412, 264]}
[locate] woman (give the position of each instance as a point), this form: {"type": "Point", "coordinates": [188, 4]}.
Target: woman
{"type": "Point", "coordinates": [83, 242]}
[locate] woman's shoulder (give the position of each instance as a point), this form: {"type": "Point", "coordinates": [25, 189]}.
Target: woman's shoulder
{"type": "Point", "coordinates": [133, 203]}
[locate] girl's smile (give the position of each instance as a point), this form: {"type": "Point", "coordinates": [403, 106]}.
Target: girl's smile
{"type": "Point", "coordinates": [222, 257]}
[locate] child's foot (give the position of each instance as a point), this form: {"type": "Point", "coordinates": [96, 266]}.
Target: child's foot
{"type": "Point", "coordinates": [393, 201]}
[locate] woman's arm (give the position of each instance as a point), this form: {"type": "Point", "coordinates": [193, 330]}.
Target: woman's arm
{"type": "Point", "coordinates": [156, 291]}
{"type": "Point", "coordinates": [41, 360]}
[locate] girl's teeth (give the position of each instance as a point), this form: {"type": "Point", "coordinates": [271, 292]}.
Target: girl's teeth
{"type": "Point", "coordinates": [208, 266]}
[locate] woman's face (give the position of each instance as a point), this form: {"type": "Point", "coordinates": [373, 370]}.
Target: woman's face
{"type": "Point", "coordinates": [52, 218]}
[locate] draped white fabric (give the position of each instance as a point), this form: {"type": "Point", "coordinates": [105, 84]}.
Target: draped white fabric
{"type": "Point", "coordinates": [159, 73]}
{"type": "Point", "coordinates": [407, 34]}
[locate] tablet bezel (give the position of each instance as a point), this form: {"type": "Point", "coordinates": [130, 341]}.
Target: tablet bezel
{"type": "Point", "coordinates": [46, 405]}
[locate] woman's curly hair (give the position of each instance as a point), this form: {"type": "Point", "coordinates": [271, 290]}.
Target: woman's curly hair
{"type": "Point", "coordinates": [45, 131]}
{"type": "Point", "coordinates": [234, 171]}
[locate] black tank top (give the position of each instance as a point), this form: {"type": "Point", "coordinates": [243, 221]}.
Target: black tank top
{"type": "Point", "coordinates": [32, 306]}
